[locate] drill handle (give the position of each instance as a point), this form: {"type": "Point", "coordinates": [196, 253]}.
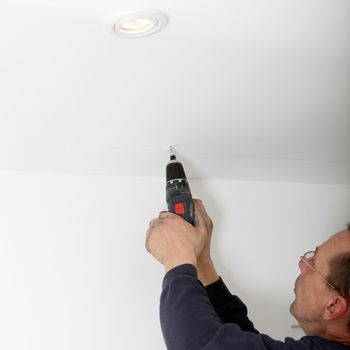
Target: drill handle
{"type": "Point", "coordinates": [182, 205]}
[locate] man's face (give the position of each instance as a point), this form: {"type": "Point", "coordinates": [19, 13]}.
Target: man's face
{"type": "Point", "coordinates": [310, 288]}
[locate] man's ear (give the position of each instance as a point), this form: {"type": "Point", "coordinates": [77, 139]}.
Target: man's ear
{"type": "Point", "coordinates": [336, 307]}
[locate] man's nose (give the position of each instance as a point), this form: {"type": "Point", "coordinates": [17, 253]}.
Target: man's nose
{"type": "Point", "coordinates": [302, 266]}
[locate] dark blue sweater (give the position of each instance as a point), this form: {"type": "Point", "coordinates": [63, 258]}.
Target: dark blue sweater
{"type": "Point", "coordinates": [197, 318]}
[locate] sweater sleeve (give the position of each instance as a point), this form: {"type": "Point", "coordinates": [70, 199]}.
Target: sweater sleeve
{"type": "Point", "coordinates": [228, 307]}
{"type": "Point", "coordinates": [189, 321]}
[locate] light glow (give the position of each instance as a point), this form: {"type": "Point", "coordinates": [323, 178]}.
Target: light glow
{"type": "Point", "coordinates": [137, 26]}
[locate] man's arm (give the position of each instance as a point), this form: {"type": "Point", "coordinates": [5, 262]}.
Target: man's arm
{"type": "Point", "coordinates": [228, 307]}
{"type": "Point", "coordinates": [189, 321]}
{"type": "Point", "coordinates": [187, 317]}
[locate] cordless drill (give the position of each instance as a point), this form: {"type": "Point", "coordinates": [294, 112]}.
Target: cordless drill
{"type": "Point", "coordinates": [178, 194]}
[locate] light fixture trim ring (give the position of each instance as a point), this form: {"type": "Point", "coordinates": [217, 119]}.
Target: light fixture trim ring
{"type": "Point", "coordinates": [158, 18]}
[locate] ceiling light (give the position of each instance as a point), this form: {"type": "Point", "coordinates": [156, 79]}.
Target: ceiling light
{"type": "Point", "coordinates": [136, 24]}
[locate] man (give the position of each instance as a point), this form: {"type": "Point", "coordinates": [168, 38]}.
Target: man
{"type": "Point", "coordinates": [198, 312]}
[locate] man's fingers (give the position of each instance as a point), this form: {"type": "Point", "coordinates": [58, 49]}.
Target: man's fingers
{"type": "Point", "coordinates": [146, 241]}
{"type": "Point", "coordinates": [198, 216]}
{"type": "Point", "coordinates": [154, 223]}
{"type": "Point", "coordinates": [165, 214]}
{"type": "Point", "coordinates": [157, 221]}
{"type": "Point", "coordinates": [200, 206]}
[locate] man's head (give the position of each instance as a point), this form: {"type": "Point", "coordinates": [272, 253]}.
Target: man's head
{"type": "Point", "coordinates": [322, 290]}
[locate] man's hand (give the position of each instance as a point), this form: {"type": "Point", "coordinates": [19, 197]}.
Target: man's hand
{"type": "Point", "coordinates": [205, 267]}
{"type": "Point", "coordinates": [173, 241]}
{"type": "Point", "coordinates": [203, 221]}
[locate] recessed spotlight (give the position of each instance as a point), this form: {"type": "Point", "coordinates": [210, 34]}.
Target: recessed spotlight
{"type": "Point", "coordinates": [136, 24]}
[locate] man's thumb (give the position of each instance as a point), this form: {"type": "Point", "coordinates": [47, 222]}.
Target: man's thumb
{"type": "Point", "coordinates": [198, 217]}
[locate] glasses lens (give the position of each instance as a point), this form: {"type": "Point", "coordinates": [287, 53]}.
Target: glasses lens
{"type": "Point", "coordinates": [309, 255]}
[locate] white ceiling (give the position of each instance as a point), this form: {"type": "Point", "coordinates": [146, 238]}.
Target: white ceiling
{"type": "Point", "coordinates": [246, 89]}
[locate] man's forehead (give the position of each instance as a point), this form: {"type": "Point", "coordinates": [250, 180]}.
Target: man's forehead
{"type": "Point", "coordinates": [339, 242]}
{"type": "Point", "coordinates": [336, 244]}
{"type": "Point", "coordinates": [342, 236]}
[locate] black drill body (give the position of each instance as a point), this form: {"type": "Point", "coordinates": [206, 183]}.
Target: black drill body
{"type": "Point", "coordinates": [178, 193]}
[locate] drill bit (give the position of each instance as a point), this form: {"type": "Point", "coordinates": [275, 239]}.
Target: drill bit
{"type": "Point", "coordinates": [172, 153]}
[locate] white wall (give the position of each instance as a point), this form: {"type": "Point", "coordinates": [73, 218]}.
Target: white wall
{"type": "Point", "coordinates": [75, 275]}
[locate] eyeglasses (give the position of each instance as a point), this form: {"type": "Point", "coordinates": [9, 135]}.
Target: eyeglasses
{"type": "Point", "coordinates": [308, 259]}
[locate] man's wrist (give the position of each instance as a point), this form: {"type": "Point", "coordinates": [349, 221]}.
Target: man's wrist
{"type": "Point", "coordinates": [206, 271]}
{"type": "Point", "coordinates": [172, 262]}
